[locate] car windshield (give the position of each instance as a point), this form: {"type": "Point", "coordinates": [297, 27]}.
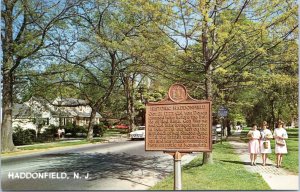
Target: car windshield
{"type": "Point", "coordinates": [141, 128]}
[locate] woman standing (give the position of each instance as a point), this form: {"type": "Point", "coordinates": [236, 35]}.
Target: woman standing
{"type": "Point", "coordinates": [253, 145]}
{"type": "Point", "coordinates": [265, 145]}
{"type": "Point", "coordinates": [280, 135]}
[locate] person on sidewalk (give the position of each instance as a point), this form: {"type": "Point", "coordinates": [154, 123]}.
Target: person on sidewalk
{"type": "Point", "coordinates": [280, 135]}
{"type": "Point", "coordinates": [265, 145]}
{"type": "Point", "coordinates": [253, 144]}
{"type": "Point", "coordinates": [59, 133]}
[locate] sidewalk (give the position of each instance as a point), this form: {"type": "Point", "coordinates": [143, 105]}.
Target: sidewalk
{"type": "Point", "coordinates": [277, 178]}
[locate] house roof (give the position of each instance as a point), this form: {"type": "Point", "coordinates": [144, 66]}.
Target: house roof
{"type": "Point", "coordinates": [35, 106]}
{"type": "Point", "coordinates": [21, 111]}
{"type": "Point", "coordinates": [77, 113]}
{"type": "Point", "coordinates": [70, 102]}
{"type": "Point", "coordinates": [74, 111]}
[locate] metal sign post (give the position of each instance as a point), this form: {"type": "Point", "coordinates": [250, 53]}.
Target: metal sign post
{"type": "Point", "coordinates": [177, 169]}
{"type": "Point", "coordinates": [222, 125]}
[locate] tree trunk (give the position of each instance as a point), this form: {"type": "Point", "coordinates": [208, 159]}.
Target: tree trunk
{"type": "Point", "coordinates": [91, 124]}
{"type": "Point", "coordinates": [6, 126]}
{"type": "Point", "coordinates": [228, 127]}
{"type": "Point", "coordinates": [131, 113]}
{"type": "Point", "coordinates": [7, 91]}
{"type": "Point", "coordinates": [129, 93]}
{"type": "Point", "coordinates": [293, 121]}
{"type": "Point", "coordinates": [207, 156]}
{"type": "Point", "coordinates": [279, 114]}
{"type": "Point", "coordinates": [131, 105]}
{"type": "Point", "coordinates": [272, 123]}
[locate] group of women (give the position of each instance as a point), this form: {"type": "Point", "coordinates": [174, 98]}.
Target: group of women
{"type": "Point", "coordinates": [259, 142]}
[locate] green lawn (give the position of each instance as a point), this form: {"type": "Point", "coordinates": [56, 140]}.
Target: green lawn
{"type": "Point", "coordinates": [227, 173]}
{"type": "Point", "coordinates": [58, 144]}
{"type": "Point", "coordinates": [80, 141]}
{"type": "Point", "coordinates": [114, 132]}
{"type": "Point", "coordinates": [244, 134]}
{"type": "Point", "coordinates": [290, 160]}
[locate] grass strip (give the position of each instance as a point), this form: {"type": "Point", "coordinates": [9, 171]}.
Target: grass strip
{"type": "Point", "coordinates": [226, 173]}
{"type": "Point", "coordinates": [107, 134]}
{"type": "Point", "coordinates": [290, 160]}
{"type": "Point", "coordinates": [58, 144]}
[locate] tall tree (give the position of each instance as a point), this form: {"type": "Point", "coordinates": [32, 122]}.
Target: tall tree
{"type": "Point", "coordinates": [225, 34]}
{"type": "Point", "coordinates": [25, 28]}
{"type": "Point", "coordinates": [105, 41]}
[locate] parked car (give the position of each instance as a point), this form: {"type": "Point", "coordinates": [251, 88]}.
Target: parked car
{"type": "Point", "coordinates": [218, 127]}
{"type": "Point", "coordinates": [138, 134]}
{"type": "Point", "coordinates": [122, 126]}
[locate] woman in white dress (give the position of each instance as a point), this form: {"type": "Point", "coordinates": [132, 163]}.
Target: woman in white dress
{"type": "Point", "coordinates": [280, 135]}
{"type": "Point", "coordinates": [265, 145]}
{"type": "Point", "coordinates": [253, 145]}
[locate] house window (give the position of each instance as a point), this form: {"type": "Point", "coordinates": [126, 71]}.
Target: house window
{"type": "Point", "coordinates": [64, 121]}
{"type": "Point", "coordinates": [80, 122]}
{"type": "Point", "coordinates": [69, 120]}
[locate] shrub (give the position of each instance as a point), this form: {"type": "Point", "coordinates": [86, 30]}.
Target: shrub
{"type": "Point", "coordinates": [48, 135]}
{"type": "Point", "coordinates": [80, 131]}
{"type": "Point", "coordinates": [52, 129]}
{"type": "Point", "coordinates": [24, 137]}
{"type": "Point", "coordinates": [99, 129]}
{"type": "Point", "coordinates": [107, 124]}
{"type": "Point", "coordinates": [76, 131]}
{"type": "Point", "coordinates": [70, 128]}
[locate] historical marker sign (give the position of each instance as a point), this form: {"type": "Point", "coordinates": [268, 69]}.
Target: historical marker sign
{"type": "Point", "coordinates": [179, 123]}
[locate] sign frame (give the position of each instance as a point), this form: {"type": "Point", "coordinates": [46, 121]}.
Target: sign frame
{"type": "Point", "coordinates": [223, 112]}
{"type": "Point", "coordinates": [178, 96]}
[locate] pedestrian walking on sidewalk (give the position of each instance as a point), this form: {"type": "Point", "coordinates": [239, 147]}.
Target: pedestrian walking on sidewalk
{"type": "Point", "coordinates": [59, 133]}
{"type": "Point", "coordinates": [253, 144]}
{"type": "Point", "coordinates": [265, 145]}
{"type": "Point", "coordinates": [280, 135]}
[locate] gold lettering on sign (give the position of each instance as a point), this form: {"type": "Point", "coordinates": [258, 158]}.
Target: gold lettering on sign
{"type": "Point", "coordinates": [181, 126]}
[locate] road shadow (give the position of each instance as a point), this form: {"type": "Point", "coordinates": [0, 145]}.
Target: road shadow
{"type": "Point", "coordinates": [108, 165]}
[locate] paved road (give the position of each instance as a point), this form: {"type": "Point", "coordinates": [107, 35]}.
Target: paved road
{"type": "Point", "coordinates": [112, 166]}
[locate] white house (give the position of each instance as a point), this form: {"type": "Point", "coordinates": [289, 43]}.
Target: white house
{"type": "Point", "coordinates": [79, 115]}
{"type": "Point", "coordinates": [38, 113]}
